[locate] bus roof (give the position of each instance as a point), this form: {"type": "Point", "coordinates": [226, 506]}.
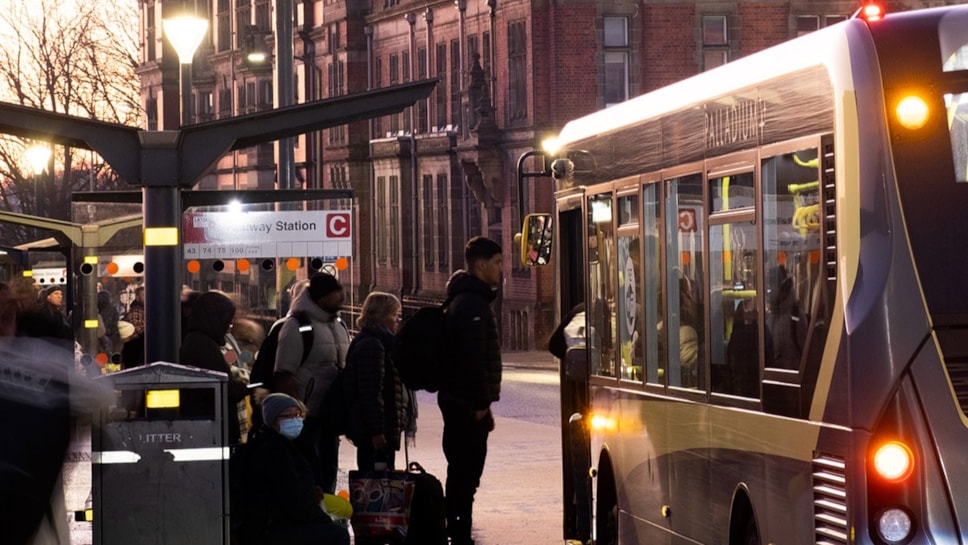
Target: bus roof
{"type": "Point", "coordinates": [809, 50]}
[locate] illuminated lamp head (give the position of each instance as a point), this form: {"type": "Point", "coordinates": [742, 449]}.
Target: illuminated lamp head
{"type": "Point", "coordinates": [912, 112]}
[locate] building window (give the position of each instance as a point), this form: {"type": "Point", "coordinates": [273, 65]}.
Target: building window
{"type": "Point", "coordinates": [807, 24]}
{"type": "Point", "coordinates": [486, 56]}
{"type": "Point", "coordinates": [265, 94]}
{"type": "Point", "coordinates": [224, 24]}
{"type": "Point", "coordinates": [382, 231]}
{"type": "Point", "coordinates": [377, 83]}
{"type": "Point", "coordinates": [714, 30]}
{"type": "Point", "coordinates": [225, 103]}
{"type": "Point", "coordinates": [150, 33]}
{"type": "Point", "coordinates": [441, 90]}
{"type": "Point", "coordinates": [455, 83]}
{"type": "Point", "coordinates": [423, 121]}
{"type": "Point", "coordinates": [616, 43]}
{"type": "Point", "coordinates": [443, 224]}
{"type": "Point", "coordinates": [429, 226]}
{"type": "Point", "coordinates": [517, 71]}
{"type": "Point", "coordinates": [715, 41]}
{"type": "Point", "coordinates": [713, 58]}
{"type": "Point", "coordinates": [262, 15]}
{"type": "Point", "coordinates": [394, 235]}
{"type": "Point", "coordinates": [243, 18]}
{"type": "Point", "coordinates": [151, 109]}
{"type": "Point", "coordinates": [206, 106]}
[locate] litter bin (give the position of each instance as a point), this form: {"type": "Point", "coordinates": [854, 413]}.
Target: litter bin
{"type": "Point", "coordinates": [159, 458]}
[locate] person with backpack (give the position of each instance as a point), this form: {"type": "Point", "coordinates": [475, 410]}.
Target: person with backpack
{"type": "Point", "coordinates": [278, 500]}
{"type": "Point", "coordinates": [310, 376]}
{"type": "Point", "coordinates": [378, 402]}
{"type": "Point", "coordinates": [473, 379]}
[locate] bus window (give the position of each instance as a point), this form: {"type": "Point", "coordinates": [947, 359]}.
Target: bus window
{"type": "Point", "coordinates": [731, 192]}
{"type": "Point", "coordinates": [954, 54]}
{"type": "Point", "coordinates": [600, 309]}
{"type": "Point", "coordinates": [791, 235]}
{"type": "Point", "coordinates": [651, 299]}
{"type": "Point", "coordinates": [684, 225]}
{"type": "Point", "coordinates": [733, 264]}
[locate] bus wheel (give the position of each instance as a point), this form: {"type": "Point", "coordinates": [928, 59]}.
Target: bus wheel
{"type": "Point", "coordinates": [606, 509]}
{"type": "Point", "coordinates": [751, 536]}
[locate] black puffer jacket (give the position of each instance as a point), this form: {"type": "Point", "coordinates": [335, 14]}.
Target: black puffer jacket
{"type": "Point", "coordinates": [475, 373]}
{"type": "Point", "coordinates": [212, 313]}
{"type": "Point", "coordinates": [374, 393]}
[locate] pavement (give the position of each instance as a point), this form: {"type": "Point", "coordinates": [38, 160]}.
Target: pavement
{"type": "Point", "coordinates": [518, 502]}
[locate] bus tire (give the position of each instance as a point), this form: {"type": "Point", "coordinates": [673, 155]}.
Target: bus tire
{"type": "Point", "coordinates": [606, 508]}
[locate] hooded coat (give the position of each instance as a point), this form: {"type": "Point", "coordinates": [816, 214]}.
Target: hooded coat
{"type": "Point", "coordinates": [212, 314]}
{"type": "Point", "coordinates": [475, 375]}
{"type": "Point", "coordinates": [331, 340]}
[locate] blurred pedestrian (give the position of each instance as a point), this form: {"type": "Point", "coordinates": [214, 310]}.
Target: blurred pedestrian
{"type": "Point", "coordinates": [474, 383]}
{"type": "Point", "coordinates": [109, 340]}
{"type": "Point", "coordinates": [39, 395]}
{"type": "Point", "coordinates": [209, 323]}
{"type": "Point", "coordinates": [378, 404]}
{"type": "Point", "coordinates": [280, 499]}
{"type": "Point", "coordinates": [310, 380]}
{"type": "Point", "coordinates": [46, 317]}
{"type": "Point", "coordinates": [133, 351]}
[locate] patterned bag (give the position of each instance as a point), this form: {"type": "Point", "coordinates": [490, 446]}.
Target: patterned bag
{"type": "Point", "coordinates": [381, 504]}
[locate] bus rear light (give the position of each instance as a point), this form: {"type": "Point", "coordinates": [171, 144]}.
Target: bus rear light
{"type": "Point", "coordinates": [912, 112]}
{"type": "Point", "coordinates": [894, 461]}
{"type": "Point", "coordinates": [894, 525]}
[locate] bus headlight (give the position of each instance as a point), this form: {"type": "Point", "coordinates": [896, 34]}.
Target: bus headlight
{"type": "Point", "coordinates": [912, 112]}
{"type": "Point", "coordinates": [894, 525]}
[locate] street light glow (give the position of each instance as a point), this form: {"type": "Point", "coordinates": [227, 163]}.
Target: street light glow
{"type": "Point", "coordinates": [185, 34]}
{"type": "Point", "coordinates": [38, 155]}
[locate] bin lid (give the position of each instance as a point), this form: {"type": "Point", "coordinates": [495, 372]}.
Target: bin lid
{"type": "Point", "coordinates": [163, 372]}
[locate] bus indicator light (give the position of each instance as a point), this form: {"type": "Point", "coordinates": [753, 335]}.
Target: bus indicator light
{"type": "Point", "coordinates": [598, 422]}
{"type": "Point", "coordinates": [912, 112]}
{"type": "Point", "coordinates": [894, 461]}
{"type": "Point", "coordinates": [872, 12]}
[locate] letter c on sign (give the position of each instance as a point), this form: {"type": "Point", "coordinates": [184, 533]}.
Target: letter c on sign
{"type": "Point", "coordinates": [338, 226]}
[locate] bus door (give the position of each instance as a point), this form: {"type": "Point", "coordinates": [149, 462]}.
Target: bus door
{"type": "Point", "coordinates": [576, 450]}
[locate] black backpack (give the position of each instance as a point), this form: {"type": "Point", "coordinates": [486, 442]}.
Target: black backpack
{"type": "Point", "coordinates": [265, 360]}
{"type": "Point", "coordinates": [421, 348]}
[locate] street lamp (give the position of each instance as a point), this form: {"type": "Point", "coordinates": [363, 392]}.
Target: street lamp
{"type": "Point", "coordinates": [38, 156]}
{"type": "Point", "coordinates": [185, 33]}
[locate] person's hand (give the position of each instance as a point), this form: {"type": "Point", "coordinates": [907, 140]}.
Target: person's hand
{"type": "Point", "coordinates": [379, 442]}
{"type": "Point", "coordinates": [485, 419]}
{"type": "Point", "coordinates": [479, 415]}
{"type": "Point", "coordinates": [319, 494]}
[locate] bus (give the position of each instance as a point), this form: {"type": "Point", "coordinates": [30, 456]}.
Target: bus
{"type": "Point", "coordinates": [771, 263]}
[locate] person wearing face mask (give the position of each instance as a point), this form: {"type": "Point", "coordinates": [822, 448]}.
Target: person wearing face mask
{"type": "Point", "coordinates": [281, 503]}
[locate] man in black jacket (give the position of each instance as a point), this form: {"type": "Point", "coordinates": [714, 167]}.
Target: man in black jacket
{"type": "Point", "coordinates": [474, 380]}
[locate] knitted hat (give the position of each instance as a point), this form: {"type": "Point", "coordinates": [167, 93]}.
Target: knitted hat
{"type": "Point", "coordinates": [322, 284]}
{"type": "Point", "coordinates": [274, 404]}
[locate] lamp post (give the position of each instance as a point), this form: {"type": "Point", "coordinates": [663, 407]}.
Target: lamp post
{"type": "Point", "coordinates": [162, 212]}
{"type": "Point", "coordinates": [38, 156]}
{"type": "Point", "coordinates": [185, 34]}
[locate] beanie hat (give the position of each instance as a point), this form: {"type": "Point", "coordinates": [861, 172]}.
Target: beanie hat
{"type": "Point", "coordinates": [274, 404]}
{"type": "Point", "coordinates": [322, 284]}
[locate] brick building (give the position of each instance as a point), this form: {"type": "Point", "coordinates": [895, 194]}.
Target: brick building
{"type": "Point", "coordinates": [511, 73]}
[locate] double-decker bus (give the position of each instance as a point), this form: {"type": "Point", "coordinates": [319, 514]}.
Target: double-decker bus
{"type": "Point", "coordinates": [773, 262]}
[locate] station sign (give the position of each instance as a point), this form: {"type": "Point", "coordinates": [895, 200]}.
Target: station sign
{"type": "Point", "coordinates": [237, 235]}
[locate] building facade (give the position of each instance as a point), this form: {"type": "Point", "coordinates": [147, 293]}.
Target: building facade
{"type": "Point", "coordinates": [511, 73]}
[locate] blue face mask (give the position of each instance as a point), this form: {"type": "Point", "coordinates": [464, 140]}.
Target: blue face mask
{"type": "Point", "coordinates": [290, 428]}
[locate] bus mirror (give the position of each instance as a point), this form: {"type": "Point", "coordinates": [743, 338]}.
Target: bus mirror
{"type": "Point", "coordinates": [536, 240]}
